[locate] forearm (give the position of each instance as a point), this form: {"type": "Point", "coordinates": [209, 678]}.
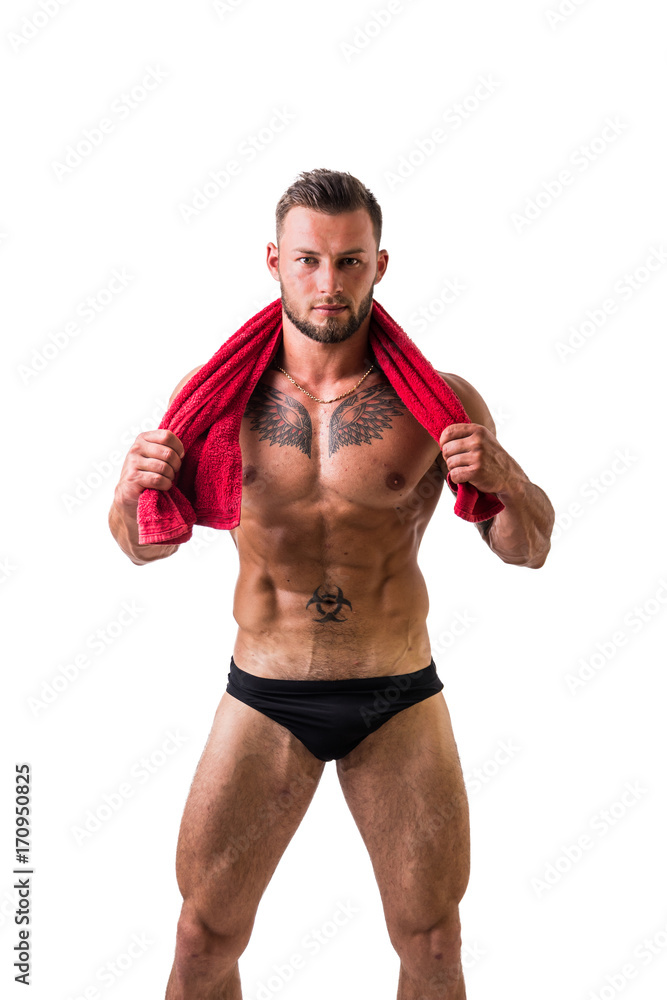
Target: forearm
{"type": "Point", "coordinates": [521, 533]}
{"type": "Point", "coordinates": [124, 528]}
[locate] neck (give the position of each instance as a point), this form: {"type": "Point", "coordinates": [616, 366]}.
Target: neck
{"type": "Point", "coordinates": [322, 367]}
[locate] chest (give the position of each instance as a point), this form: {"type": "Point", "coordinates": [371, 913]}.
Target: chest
{"type": "Point", "coordinates": [365, 449]}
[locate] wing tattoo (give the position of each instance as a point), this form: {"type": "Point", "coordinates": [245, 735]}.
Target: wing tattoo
{"type": "Point", "coordinates": [361, 417]}
{"type": "Point", "coordinates": [279, 418]}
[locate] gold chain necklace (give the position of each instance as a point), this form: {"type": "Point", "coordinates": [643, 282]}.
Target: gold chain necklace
{"type": "Point", "coordinates": [325, 400]}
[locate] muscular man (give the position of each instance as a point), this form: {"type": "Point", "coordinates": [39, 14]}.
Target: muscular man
{"type": "Point", "coordinates": [339, 484]}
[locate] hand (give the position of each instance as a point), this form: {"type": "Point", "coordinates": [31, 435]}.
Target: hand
{"type": "Point", "coordinates": [473, 455]}
{"type": "Point", "coordinates": [151, 463]}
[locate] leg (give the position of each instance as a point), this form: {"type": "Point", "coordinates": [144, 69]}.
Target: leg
{"type": "Point", "coordinates": [249, 794]}
{"type": "Point", "coordinates": [404, 787]}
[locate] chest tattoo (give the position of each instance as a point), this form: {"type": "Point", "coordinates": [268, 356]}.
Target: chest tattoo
{"type": "Point", "coordinates": [363, 415]}
{"type": "Point", "coordinates": [359, 419]}
{"type": "Point", "coordinates": [279, 418]}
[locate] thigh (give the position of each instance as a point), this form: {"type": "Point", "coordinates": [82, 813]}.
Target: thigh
{"type": "Point", "coordinates": [250, 791]}
{"type": "Point", "coordinates": [404, 786]}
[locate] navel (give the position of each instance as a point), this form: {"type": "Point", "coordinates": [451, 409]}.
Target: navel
{"type": "Point", "coordinates": [395, 481]}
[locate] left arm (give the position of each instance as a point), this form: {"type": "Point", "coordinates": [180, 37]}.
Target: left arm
{"type": "Point", "coordinates": [521, 533]}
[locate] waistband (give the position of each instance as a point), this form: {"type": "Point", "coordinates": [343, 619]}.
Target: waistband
{"type": "Point", "coordinates": [251, 682]}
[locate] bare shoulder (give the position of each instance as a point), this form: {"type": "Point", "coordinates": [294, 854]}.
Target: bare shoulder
{"type": "Point", "coordinates": [473, 402]}
{"type": "Point", "coordinates": [185, 379]}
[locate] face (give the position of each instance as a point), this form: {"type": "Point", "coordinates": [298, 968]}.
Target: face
{"type": "Point", "coordinates": [327, 260]}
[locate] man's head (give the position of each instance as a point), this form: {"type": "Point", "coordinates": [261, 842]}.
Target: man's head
{"type": "Point", "coordinates": [328, 229]}
{"type": "Point", "coordinates": [331, 192]}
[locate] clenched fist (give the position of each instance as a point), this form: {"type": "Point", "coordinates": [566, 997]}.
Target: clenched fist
{"type": "Point", "coordinates": [151, 463]}
{"type": "Point", "coordinates": [473, 455]}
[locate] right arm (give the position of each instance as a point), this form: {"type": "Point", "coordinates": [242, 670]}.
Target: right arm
{"type": "Point", "coordinates": [151, 463]}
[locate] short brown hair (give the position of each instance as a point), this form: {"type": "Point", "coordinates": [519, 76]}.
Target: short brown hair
{"type": "Point", "coordinates": [331, 192]}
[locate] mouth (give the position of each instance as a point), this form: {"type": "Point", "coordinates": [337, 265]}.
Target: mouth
{"type": "Point", "coordinates": [330, 309]}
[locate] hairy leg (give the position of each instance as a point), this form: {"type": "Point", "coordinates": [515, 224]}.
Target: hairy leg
{"type": "Point", "coordinates": [249, 794]}
{"type": "Point", "coordinates": [405, 789]}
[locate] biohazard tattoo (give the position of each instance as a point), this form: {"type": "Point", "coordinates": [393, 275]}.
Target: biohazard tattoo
{"type": "Point", "coordinates": [329, 605]}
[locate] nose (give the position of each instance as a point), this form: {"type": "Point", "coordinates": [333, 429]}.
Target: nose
{"type": "Point", "coordinates": [328, 278]}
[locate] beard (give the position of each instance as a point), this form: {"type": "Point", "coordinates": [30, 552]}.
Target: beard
{"type": "Point", "coordinates": [336, 328]}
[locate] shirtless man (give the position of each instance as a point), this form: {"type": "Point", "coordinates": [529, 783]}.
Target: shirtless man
{"type": "Point", "coordinates": [329, 589]}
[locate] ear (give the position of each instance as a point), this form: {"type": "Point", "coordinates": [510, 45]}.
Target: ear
{"type": "Point", "coordinates": [272, 254]}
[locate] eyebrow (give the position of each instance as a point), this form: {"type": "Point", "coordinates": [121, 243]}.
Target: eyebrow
{"type": "Point", "coordinates": [343, 253]}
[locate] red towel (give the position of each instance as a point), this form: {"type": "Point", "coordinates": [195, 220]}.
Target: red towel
{"type": "Point", "coordinates": [206, 415]}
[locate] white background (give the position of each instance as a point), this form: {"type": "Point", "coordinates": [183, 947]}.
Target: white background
{"type": "Point", "coordinates": [361, 97]}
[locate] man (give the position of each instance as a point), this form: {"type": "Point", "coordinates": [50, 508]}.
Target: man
{"type": "Point", "coordinates": [339, 484]}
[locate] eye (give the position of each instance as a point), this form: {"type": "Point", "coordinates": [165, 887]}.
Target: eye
{"type": "Point", "coordinates": [346, 260]}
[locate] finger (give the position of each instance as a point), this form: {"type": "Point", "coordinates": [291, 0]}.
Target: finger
{"type": "Point", "coordinates": [149, 480]}
{"type": "Point", "coordinates": [460, 461]}
{"type": "Point", "coordinates": [173, 441]}
{"type": "Point", "coordinates": [457, 447]}
{"type": "Point", "coordinates": [155, 465]}
{"type": "Point", "coordinates": [453, 431]}
{"type": "Point", "coordinates": [160, 453]}
{"type": "Point", "coordinates": [462, 473]}
{"type": "Point", "coordinates": [163, 436]}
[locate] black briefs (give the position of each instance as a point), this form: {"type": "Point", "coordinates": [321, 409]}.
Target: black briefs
{"type": "Point", "coordinates": [331, 717]}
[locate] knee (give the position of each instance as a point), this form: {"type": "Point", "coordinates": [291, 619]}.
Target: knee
{"type": "Point", "coordinates": [432, 955]}
{"type": "Point", "coordinates": [202, 943]}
